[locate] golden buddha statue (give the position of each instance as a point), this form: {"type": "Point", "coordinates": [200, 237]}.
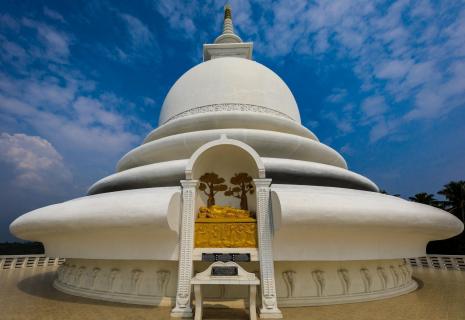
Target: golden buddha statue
{"type": "Point", "coordinates": [225, 227]}
{"type": "Point", "coordinates": [221, 212]}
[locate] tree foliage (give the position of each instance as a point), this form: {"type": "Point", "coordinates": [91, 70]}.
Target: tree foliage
{"type": "Point", "coordinates": [454, 192]}
{"type": "Point", "coordinates": [211, 184]}
{"type": "Point", "coordinates": [425, 198]}
{"type": "Point", "coordinates": [244, 186]}
{"type": "Point", "coordinates": [454, 202]}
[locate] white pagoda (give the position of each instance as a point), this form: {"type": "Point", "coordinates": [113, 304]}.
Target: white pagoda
{"type": "Point", "coordinates": [230, 173]}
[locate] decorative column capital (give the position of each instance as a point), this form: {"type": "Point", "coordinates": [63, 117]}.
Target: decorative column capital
{"type": "Point", "coordinates": [192, 183]}
{"type": "Point", "coordinates": [260, 183]}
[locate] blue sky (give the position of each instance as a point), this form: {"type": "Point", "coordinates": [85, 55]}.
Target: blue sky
{"type": "Point", "coordinates": [82, 82]}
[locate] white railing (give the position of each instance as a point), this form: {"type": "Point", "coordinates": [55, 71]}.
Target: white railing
{"type": "Point", "coordinates": [448, 262]}
{"type": "Point", "coordinates": [28, 261]}
{"type": "Point", "coordinates": [439, 262]}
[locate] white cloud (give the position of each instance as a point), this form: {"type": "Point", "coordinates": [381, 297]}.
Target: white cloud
{"type": "Point", "coordinates": [53, 14]}
{"type": "Point", "coordinates": [83, 125]}
{"type": "Point", "coordinates": [337, 96]}
{"type": "Point", "coordinates": [64, 107]}
{"type": "Point", "coordinates": [179, 15]}
{"type": "Point", "coordinates": [141, 45]}
{"type": "Point", "coordinates": [422, 73]}
{"type": "Point", "coordinates": [347, 149]}
{"type": "Point", "coordinates": [9, 22]}
{"type": "Point", "coordinates": [148, 101]}
{"type": "Point", "coordinates": [393, 69]}
{"type": "Point", "coordinates": [374, 106]}
{"type": "Point", "coordinates": [56, 43]}
{"type": "Point", "coordinates": [379, 130]}
{"type": "Point", "coordinates": [138, 31]}
{"type": "Point", "coordinates": [36, 164]}
{"type": "Point", "coordinates": [91, 112]}
{"type": "Point", "coordinates": [12, 53]}
{"type": "Point", "coordinates": [404, 51]}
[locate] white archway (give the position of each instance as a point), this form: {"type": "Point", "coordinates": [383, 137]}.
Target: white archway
{"type": "Point", "coordinates": [224, 141]}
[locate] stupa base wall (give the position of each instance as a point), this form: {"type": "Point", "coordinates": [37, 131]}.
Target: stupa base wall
{"type": "Point", "coordinates": [298, 283]}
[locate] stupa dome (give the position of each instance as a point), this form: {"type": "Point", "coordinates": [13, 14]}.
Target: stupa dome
{"type": "Point", "coordinates": [223, 82]}
{"type": "Point", "coordinates": [231, 172]}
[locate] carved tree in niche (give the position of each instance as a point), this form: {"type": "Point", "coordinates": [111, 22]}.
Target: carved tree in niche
{"type": "Point", "coordinates": [214, 184]}
{"type": "Point", "coordinates": [244, 186]}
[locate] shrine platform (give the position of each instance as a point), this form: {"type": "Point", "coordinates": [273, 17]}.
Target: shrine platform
{"type": "Point", "coordinates": [27, 293]}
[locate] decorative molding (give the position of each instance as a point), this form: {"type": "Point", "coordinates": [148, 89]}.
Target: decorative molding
{"type": "Point", "coordinates": [395, 276]}
{"type": "Point", "coordinates": [222, 107]}
{"type": "Point", "coordinates": [345, 280]}
{"type": "Point", "coordinates": [150, 282]}
{"type": "Point", "coordinates": [112, 277]}
{"type": "Point", "coordinates": [366, 278]}
{"type": "Point", "coordinates": [95, 273]}
{"type": "Point", "coordinates": [382, 277]}
{"type": "Point", "coordinates": [406, 272]}
{"type": "Point", "coordinates": [319, 278]}
{"type": "Point", "coordinates": [136, 275]}
{"type": "Point", "coordinates": [409, 269]}
{"type": "Point", "coordinates": [163, 277]}
{"type": "Point", "coordinates": [78, 277]}
{"type": "Point", "coordinates": [289, 280]}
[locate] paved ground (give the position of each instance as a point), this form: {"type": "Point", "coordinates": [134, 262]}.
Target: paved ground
{"type": "Point", "coordinates": [28, 294]}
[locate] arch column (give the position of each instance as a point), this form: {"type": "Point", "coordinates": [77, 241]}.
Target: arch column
{"type": "Point", "coordinates": [183, 307]}
{"type": "Point", "coordinates": [269, 307]}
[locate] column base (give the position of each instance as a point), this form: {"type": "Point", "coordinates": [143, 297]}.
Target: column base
{"type": "Point", "coordinates": [270, 314]}
{"type": "Point", "coordinates": [182, 313]}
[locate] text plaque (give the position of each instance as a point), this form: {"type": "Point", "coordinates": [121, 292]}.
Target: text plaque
{"type": "Point", "coordinates": [225, 257]}
{"type": "Point", "coordinates": [224, 271]}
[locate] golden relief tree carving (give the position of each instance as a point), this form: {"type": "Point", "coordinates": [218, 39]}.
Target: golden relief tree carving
{"type": "Point", "coordinates": [244, 186]}
{"type": "Point", "coordinates": [214, 184]}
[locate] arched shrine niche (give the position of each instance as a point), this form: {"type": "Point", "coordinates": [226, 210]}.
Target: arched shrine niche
{"type": "Point", "coordinates": [225, 202]}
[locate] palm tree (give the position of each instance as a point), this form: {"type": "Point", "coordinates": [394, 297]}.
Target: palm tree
{"type": "Point", "coordinates": [454, 192]}
{"type": "Point", "coordinates": [387, 193]}
{"type": "Point", "coordinates": [425, 198]}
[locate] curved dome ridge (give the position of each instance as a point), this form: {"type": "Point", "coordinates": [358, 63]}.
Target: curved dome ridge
{"type": "Point", "coordinates": [229, 84]}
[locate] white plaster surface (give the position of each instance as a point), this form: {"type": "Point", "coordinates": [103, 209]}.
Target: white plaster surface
{"type": "Point", "coordinates": [169, 173]}
{"type": "Point", "coordinates": [326, 223]}
{"type": "Point", "coordinates": [133, 224]}
{"type": "Point", "coordinates": [266, 144]}
{"type": "Point", "coordinates": [229, 80]}
{"type": "Point", "coordinates": [229, 120]}
{"type": "Point", "coordinates": [311, 223]}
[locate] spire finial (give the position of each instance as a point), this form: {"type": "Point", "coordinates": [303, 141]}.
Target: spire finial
{"type": "Point", "coordinates": [228, 35]}
{"type": "Point", "coordinates": [228, 44]}
{"type": "Point", "coordinates": [227, 12]}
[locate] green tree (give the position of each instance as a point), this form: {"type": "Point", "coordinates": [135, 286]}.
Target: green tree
{"type": "Point", "coordinates": [387, 193]}
{"type": "Point", "coordinates": [214, 184]}
{"type": "Point", "coordinates": [454, 192]}
{"type": "Point", "coordinates": [425, 198]}
{"type": "Point", "coordinates": [244, 185]}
